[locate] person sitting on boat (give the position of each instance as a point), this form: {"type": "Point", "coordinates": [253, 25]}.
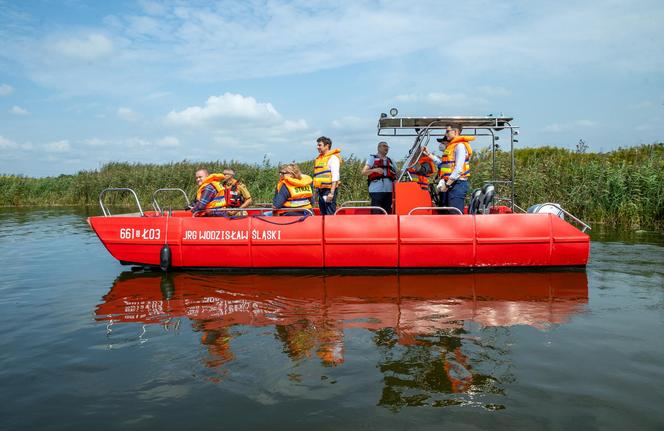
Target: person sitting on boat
{"type": "Point", "coordinates": [236, 194]}
{"type": "Point", "coordinates": [210, 194]}
{"type": "Point", "coordinates": [293, 191]}
{"type": "Point", "coordinates": [453, 167]}
{"type": "Point", "coordinates": [381, 172]}
{"type": "Point", "coordinates": [422, 170]}
{"type": "Point", "coordinates": [326, 175]}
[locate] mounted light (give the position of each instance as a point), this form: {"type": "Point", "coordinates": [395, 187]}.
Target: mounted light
{"type": "Point", "coordinates": [394, 112]}
{"type": "Point", "coordinates": [383, 115]}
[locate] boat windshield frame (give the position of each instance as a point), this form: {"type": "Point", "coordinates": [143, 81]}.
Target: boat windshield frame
{"type": "Point", "coordinates": [424, 128]}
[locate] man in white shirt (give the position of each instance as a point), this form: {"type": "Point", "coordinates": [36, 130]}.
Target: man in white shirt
{"type": "Point", "coordinates": [327, 168]}
{"type": "Point", "coordinates": [454, 167]}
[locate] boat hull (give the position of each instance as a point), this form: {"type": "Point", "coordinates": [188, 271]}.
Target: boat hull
{"type": "Point", "coordinates": [350, 241]}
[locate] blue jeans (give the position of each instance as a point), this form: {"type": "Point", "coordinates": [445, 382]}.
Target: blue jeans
{"type": "Point", "coordinates": [455, 197]}
{"type": "Point", "coordinates": [326, 208]}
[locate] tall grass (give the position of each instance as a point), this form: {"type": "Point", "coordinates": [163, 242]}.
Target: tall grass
{"type": "Point", "coordinates": [624, 187]}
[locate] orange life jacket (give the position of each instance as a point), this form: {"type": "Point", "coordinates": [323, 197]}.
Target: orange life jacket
{"type": "Point", "coordinates": [322, 174]}
{"type": "Point", "coordinates": [215, 180]}
{"type": "Point", "coordinates": [299, 190]}
{"type": "Point", "coordinates": [423, 180]}
{"type": "Point", "coordinates": [448, 160]}
{"type": "Point", "coordinates": [386, 164]}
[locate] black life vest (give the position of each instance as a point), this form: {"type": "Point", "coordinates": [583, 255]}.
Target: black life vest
{"type": "Point", "coordinates": [233, 197]}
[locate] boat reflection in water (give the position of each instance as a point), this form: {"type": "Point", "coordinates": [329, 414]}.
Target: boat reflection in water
{"type": "Point", "coordinates": [424, 326]}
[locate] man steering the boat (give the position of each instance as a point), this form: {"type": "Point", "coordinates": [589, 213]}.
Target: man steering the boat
{"type": "Point", "coordinates": [210, 195]}
{"type": "Point", "coordinates": [326, 175]}
{"type": "Point", "coordinates": [453, 167]}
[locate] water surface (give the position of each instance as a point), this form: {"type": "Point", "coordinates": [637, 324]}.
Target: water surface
{"type": "Point", "coordinates": [89, 344]}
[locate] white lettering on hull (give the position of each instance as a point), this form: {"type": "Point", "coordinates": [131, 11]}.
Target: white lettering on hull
{"type": "Point", "coordinates": [145, 233]}
{"type": "Point", "coordinates": [231, 235]}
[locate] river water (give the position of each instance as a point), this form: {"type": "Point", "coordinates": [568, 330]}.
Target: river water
{"type": "Point", "coordinates": [89, 344]}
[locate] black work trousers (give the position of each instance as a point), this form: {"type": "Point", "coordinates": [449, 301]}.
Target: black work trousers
{"type": "Point", "coordinates": [383, 200]}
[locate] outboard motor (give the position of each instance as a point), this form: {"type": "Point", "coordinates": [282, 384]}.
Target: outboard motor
{"type": "Point", "coordinates": [475, 198]}
{"type": "Point", "coordinates": [165, 258]}
{"type": "Point", "coordinates": [488, 192]}
{"type": "Point", "coordinates": [549, 208]}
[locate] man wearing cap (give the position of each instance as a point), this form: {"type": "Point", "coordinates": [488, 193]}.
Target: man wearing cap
{"type": "Point", "coordinates": [381, 173]}
{"type": "Point", "coordinates": [453, 167]}
{"type": "Point", "coordinates": [236, 194]}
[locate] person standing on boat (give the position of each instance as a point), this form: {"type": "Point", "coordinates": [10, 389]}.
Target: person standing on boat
{"type": "Point", "coordinates": [422, 170]}
{"type": "Point", "coordinates": [326, 175]}
{"type": "Point", "coordinates": [381, 172]}
{"type": "Point", "coordinates": [236, 194]}
{"type": "Point", "coordinates": [210, 194]}
{"type": "Point", "coordinates": [293, 190]}
{"type": "Point", "coordinates": [453, 167]}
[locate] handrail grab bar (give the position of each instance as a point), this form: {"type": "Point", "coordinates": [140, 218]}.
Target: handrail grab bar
{"type": "Point", "coordinates": [353, 202]}
{"type": "Point", "coordinates": [585, 225]}
{"type": "Point", "coordinates": [155, 204]}
{"type": "Point", "coordinates": [106, 211]}
{"type": "Point", "coordinates": [363, 207]}
{"type": "Point", "coordinates": [434, 208]}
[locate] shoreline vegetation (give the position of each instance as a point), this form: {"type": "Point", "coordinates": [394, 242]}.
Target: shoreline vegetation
{"type": "Point", "coordinates": [621, 188]}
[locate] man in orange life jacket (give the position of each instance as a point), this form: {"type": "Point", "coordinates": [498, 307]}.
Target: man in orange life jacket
{"type": "Point", "coordinates": [454, 170]}
{"type": "Point", "coordinates": [210, 193]}
{"type": "Point", "coordinates": [422, 170]}
{"type": "Point", "coordinates": [236, 194]}
{"type": "Point", "coordinates": [381, 173]}
{"type": "Point", "coordinates": [326, 175]}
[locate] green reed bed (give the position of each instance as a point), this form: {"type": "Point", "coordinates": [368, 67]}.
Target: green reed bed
{"type": "Point", "coordinates": [624, 187]}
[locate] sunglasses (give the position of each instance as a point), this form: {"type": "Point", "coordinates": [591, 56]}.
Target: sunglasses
{"type": "Point", "coordinates": [283, 173]}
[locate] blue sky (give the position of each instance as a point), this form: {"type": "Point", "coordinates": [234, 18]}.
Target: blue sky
{"type": "Point", "coordinates": [87, 82]}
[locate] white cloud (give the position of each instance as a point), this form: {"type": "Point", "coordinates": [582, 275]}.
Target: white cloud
{"type": "Point", "coordinates": [7, 144]}
{"type": "Point", "coordinates": [58, 146]}
{"type": "Point", "coordinates": [645, 104]}
{"type": "Point", "coordinates": [90, 47]}
{"type": "Point", "coordinates": [644, 127]}
{"type": "Point", "coordinates": [457, 100]}
{"type": "Point", "coordinates": [564, 127]}
{"type": "Point", "coordinates": [352, 122]}
{"type": "Point", "coordinates": [212, 42]}
{"type": "Point", "coordinates": [153, 7]}
{"type": "Point", "coordinates": [127, 114]}
{"type": "Point", "coordinates": [6, 90]}
{"type": "Point", "coordinates": [17, 110]}
{"type": "Point", "coordinates": [168, 141]}
{"type": "Point", "coordinates": [491, 91]}
{"type": "Point", "coordinates": [225, 107]}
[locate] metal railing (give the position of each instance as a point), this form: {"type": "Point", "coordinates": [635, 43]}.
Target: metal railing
{"type": "Point", "coordinates": [585, 225]}
{"type": "Point", "coordinates": [363, 208]}
{"type": "Point", "coordinates": [347, 203]}
{"type": "Point", "coordinates": [106, 211]}
{"type": "Point", "coordinates": [155, 204]}
{"type": "Point", "coordinates": [455, 210]}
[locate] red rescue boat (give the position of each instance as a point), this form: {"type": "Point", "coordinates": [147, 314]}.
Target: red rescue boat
{"type": "Point", "coordinates": [418, 236]}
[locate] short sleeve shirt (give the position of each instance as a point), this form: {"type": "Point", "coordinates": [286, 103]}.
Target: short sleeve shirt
{"type": "Point", "coordinates": [243, 191]}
